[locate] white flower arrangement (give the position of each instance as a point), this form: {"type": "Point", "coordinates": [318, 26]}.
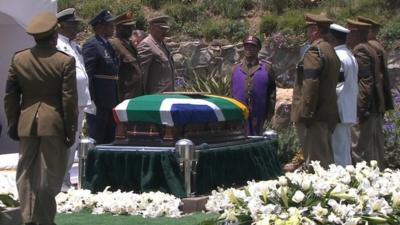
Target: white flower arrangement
{"type": "Point", "coordinates": [350, 196]}
{"type": "Point", "coordinates": [152, 204]}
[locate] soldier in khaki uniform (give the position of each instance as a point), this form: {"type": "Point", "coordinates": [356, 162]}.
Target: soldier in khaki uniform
{"type": "Point", "coordinates": [156, 59]}
{"type": "Point", "coordinates": [41, 108]}
{"type": "Point", "coordinates": [368, 137]}
{"type": "Point", "coordinates": [382, 55]}
{"type": "Point", "coordinates": [314, 93]}
{"type": "Point", "coordinates": [130, 71]}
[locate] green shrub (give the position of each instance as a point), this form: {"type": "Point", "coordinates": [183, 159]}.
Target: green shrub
{"type": "Point", "coordinates": [288, 145]}
{"type": "Point", "coordinates": [233, 30]}
{"type": "Point", "coordinates": [390, 31]}
{"type": "Point", "coordinates": [217, 84]}
{"type": "Point", "coordinates": [155, 4]}
{"type": "Point", "coordinates": [184, 18]}
{"type": "Point", "coordinates": [248, 4]}
{"type": "Point", "coordinates": [88, 9]}
{"type": "Point", "coordinates": [288, 142]}
{"type": "Point", "coordinates": [232, 9]}
{"type": "Point", "coordinates": [182, 13]}
{"type": "Point", "coordinates": [268, 24]}
{"type": "Point", "coordinates": [193, 29]}
{"type": "Point", "coordinates": [64, 4]}
{"type": "Point", "coordinates": [292, 22]}
{"type": "Point", "coordinates": [277, 6]}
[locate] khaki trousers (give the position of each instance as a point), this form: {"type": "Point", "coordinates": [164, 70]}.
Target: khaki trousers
{"type": "Point", "coordinates": [316, 142]}
{"type": "Point", "coordinates": [368, 141]}
{"type": "Point", "coordinates": [40, 171]}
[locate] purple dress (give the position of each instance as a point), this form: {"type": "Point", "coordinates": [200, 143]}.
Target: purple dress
{"type": "Point", "coordinates": [252, 90]}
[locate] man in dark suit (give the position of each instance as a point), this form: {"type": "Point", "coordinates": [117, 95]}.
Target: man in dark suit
{"type": "Point", "coordinates": [42, 111]}
{"type": "Point", "coordinates": [101, 65]}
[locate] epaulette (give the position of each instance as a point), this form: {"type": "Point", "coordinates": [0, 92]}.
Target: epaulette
{"type": "Point", "coordinates": [321, 55]}
{"type": "Point", "coordinates": [17, 52]}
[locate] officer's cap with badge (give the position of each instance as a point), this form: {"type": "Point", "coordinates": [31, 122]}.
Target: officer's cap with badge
{"type": "Point", "coordinates": [125, 19]}
{"type": "Point", "coordinates": [68, 15]}
{"type": "Point", "coordinates": [358, 26]}
{"type": "Point", "coordinates": [160, 21]}
{"type": "Point", "coordinates": [373, 23]}
{"type": "Point", "coordinates": [253, 40]}
{"type": "Point", "coordinates": [43, 25]}
{"type": "Point", "coordinates": [104, 16]}
{"type": "Point", "coordinates": [320, 20]}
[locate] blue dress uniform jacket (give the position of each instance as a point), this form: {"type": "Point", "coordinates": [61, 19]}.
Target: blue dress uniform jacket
{"type": "Point", "coordinates": [101, 65]}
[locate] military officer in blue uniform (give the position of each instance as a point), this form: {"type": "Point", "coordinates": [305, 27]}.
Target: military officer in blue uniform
{"type": "Point", "coordinates": [101, 65]}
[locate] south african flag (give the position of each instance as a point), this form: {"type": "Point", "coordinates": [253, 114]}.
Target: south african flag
{"type": "Point", "coordinates": [180, 109]}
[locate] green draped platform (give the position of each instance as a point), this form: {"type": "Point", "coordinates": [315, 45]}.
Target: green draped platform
{"type": "Point", "coordinates": [127, 168]}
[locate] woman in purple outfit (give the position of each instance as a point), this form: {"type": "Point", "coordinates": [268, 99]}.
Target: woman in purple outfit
{"type": "Point", "coordinates": [253, 84]}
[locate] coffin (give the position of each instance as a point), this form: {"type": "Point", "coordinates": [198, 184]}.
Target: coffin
{"type": "Point", "coordinates": [162, 119]}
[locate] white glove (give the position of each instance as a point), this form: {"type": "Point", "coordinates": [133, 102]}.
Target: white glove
{"type": "Point", "coordinates": [91, 108]}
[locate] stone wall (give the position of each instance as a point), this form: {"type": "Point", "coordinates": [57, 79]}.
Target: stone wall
{"type": "Point", "coordinates": [204, 59]}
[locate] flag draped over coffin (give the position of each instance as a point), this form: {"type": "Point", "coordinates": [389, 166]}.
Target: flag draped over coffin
{"type": "Point", "coordinates": [179, 109]}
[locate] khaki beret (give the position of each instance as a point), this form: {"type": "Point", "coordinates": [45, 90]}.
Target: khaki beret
{"type": "Point", "coordinates": [372, 22]}
{"type": "Point", "coordinates": [357, 25]}
{"type": "Point", "coordinates": [125, 19]}
{"type": "Point", "coordinates": [67, 15]}
{"type": "Point", "coordinates": [315, 19]}
{"type": "Point", "coordinates": [161, 21]}
{"type": "Point", "coordinates": [42, 25]}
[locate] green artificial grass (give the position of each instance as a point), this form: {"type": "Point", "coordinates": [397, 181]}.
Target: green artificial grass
{"type": "Point", "coordinates": [85, 218]}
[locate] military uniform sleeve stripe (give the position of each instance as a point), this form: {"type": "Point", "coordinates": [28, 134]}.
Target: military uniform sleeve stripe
{"type": "Point", "coordinates": [12, 86]}
{"type": "Point", "coordinates": [311, 73]}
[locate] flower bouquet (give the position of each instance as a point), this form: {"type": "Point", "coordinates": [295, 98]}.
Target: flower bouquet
{"type": "Point", "coordinates": [151, 204]}
{"type": "Point", "coordinates": [351, 196]}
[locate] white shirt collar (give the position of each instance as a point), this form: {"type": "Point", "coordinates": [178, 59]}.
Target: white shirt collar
{"type": "Point", "coordinates": [63, 38]}
{"type": "Point", "coordinates": [340, 47]}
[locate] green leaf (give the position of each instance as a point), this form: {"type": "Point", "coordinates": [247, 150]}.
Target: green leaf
{"type": "Point", "coordinates": [8, 201]}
